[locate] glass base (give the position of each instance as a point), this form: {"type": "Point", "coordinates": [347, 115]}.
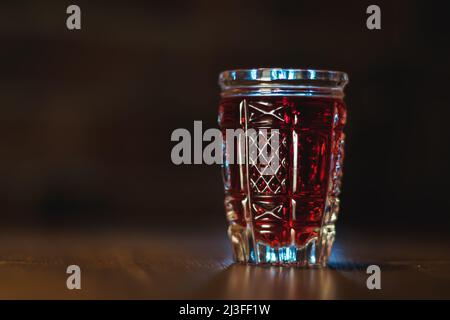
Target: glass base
{"type": "Point", "coordinates": [313, 254]}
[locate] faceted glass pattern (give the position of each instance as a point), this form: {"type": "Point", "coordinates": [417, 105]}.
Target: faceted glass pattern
{"type": "Point", "coordinates": [287, 217]}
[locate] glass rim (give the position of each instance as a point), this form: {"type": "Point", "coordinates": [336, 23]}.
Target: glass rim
{"type": "Point", "coordinates": [282, 78]}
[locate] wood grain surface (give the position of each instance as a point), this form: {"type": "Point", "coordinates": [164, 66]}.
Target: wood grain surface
{"type": "Point", "coordinates": [136, 265]}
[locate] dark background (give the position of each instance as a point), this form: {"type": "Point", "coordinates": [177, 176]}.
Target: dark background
{"type": "Point", "coordinates": [86, 116]}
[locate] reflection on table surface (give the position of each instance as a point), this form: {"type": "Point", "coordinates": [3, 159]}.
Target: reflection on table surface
{"type": "Point", "coordinates": [149, 266]}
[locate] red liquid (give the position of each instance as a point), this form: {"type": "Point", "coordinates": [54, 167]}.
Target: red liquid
{"type": "Point", "coordinates": [292, 206]}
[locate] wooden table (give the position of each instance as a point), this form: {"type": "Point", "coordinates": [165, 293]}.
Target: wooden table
{"type": "Point", "coordinates": [138, 265]}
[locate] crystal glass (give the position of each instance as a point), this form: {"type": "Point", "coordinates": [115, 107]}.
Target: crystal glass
{"type": "Point", "coordinates": [286, 217]}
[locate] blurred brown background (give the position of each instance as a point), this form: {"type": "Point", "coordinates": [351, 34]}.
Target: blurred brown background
{"type": "Point", "coordinates": [86, 116]}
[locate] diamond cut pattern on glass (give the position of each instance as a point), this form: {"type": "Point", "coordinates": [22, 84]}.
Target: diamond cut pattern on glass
{"type": "Point", "coordinates": [271, 176]}
{"type": "Point", "coordinates": [264, 113]}
{"type": "Point", "coordinates": [290, 214]}
{"type": "Point", "coordinates": [262, 212]}
{"type": "Point", "coordinates": [271, 218]}
{"type": "Point", "coordinates": [275, 209]}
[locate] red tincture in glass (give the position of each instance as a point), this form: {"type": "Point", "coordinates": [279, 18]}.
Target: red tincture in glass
{"type": "Point", "coordinates": [290, 207]}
